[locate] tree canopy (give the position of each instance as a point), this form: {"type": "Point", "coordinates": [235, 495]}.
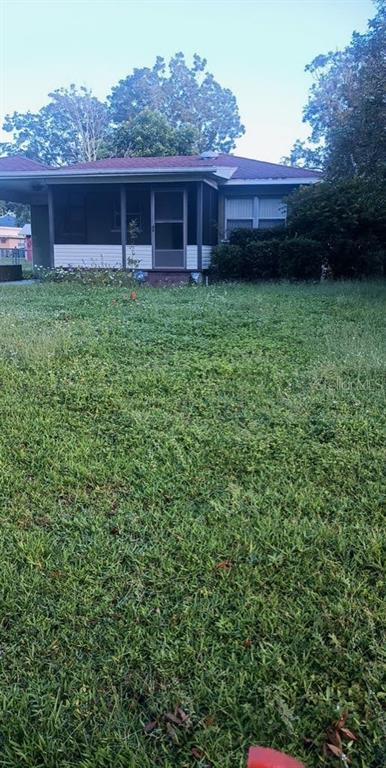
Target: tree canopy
{"type": "Point", "coordinates": [346, 109]}
{"type": "Point", "coordinates": [163, 110]}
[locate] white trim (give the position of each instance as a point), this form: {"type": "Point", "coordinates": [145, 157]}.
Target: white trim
{"type": "Point", "coordinates": [191, 257]}
{"type": "Point", "coordinates": [262, 182]}
{"type": "Point", "coordinates": [256, 209]}
{"type": "Point", "coordinates": [206, 255]}
{"type": "Point", "coordinates": [58, 173]}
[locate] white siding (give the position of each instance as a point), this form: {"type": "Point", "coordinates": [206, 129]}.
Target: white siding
{"type": "Point", "coordinates": [109, 256]}
{"type": "Point", "coordinates": [206, 254]}
{"type": "Point", "coordinates": [272, 208]}
{"type": "Point", "coordinates": [191, 257]}
{"type": "Point", "coordinates": [239, 208]}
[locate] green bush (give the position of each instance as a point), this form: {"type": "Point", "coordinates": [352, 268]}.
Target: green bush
{"type": "Point", "coordinates": [261, 260]}
{"type": "Point", "coordinates": [243, 237]}
{"type": "Point", "coordinates": [227, 261]}
{"type": "Point", "coordinates": [300, 259]}
{"type": "Point", "coordinates": [348, 219]}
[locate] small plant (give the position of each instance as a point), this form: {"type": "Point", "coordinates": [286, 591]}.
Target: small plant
{"type": "Point", "coordinates": [99, 276]}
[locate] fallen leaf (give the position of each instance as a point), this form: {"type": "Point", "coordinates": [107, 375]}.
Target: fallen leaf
{"type": "Point", "coordinates": [182, 715]}
{"type": "Point", "coordinates": [209, 721]}
{"type": "Point", "coordinates": [225, 565]}
{"type": "Point", "coordinates": [133, 296]}
{"type": "Point", "coordinates": [171, 733]}
{"type": "Point", "coordinates": [335, 750]}
{"type": "Point", "coordinates": [341, 722]}
{"type": "Point", "coordinates": [248, 643]}
{"type": "Point", "coordinates": [349, 734]}
{"type": "Point", "coordinates": [149, 727]}
{"type": "Point", "coordinates": [334, 738]}
{"type": "Point", "coordinates": [173, 718]}
{"type": "Point", "coordinates": [197, 753]}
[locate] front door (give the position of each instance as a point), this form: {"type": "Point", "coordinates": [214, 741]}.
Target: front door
{"type": "Point", "coordinates": [168, 208]}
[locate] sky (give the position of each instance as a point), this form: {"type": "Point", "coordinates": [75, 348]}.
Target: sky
{"type": "Point", "coordinates": [257, 48]}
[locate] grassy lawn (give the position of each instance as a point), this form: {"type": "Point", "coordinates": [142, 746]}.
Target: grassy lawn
{"type": "Point", "coordinates": [192, 515]}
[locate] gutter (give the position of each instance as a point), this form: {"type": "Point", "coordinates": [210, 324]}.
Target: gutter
{"type": "Point", "coordinates": [92, 172]}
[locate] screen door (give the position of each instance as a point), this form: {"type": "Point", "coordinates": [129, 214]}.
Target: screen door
{"type": "Point", "coordinates": [169, 228]}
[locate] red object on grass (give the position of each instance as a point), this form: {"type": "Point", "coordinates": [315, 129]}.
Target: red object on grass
{"type": "Point", "coordinates": [261, 757]}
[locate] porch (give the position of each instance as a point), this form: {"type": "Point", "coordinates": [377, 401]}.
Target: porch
{"type": "Point", "coordinates": [160, 227]}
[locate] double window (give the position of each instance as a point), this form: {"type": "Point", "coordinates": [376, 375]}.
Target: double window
{"type": "Point", "coordinates": [253, 212]}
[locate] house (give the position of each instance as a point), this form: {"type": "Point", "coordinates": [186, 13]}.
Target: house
{"type": "Point", "coordinates": [166, 213]}
{"type": "Point", "coordinates": [25, 233]}
{"type": "Point", "coordinates": [11, 239]}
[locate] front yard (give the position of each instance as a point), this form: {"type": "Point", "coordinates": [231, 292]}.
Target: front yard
{"type": "Point", "coordinates": [192, 513]}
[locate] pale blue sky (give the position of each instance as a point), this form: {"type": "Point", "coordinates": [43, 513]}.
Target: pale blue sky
{"type": "Point", "coordinates": [258, 48]}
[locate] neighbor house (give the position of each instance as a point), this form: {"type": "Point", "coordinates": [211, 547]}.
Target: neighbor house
{"type": "Point", "coordinates": [12, 240]}
{"type": "Point", "coordinates": [163, 213]}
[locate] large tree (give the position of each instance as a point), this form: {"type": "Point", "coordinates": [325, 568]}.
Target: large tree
{"type": "Point", "coordinates": [174, 109]}
{"type": "Point", "coordinates": [69, 129]}
{"type": "Point", "coordinates": [185, 96]}
{"type": "Point", "coordinates": [346, 108]}
{"type": "Point", "coordinates": [150, 133]}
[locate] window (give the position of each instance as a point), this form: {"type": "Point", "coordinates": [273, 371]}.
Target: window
{"type": "Point", "coordinates": [268, 223]}
{"type": "Point", "coordinates": [272, 213]}
{"type": "Point", "coordinates": [238, 224]}
{"type": "Point", "coordinates": [135, 217]}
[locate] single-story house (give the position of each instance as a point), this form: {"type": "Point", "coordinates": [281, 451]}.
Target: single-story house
{"type": "Point", "coordinates": [163, 213]}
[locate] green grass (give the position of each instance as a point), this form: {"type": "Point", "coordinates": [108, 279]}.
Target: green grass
{"type": "Point", "coordinates": [144, 443]}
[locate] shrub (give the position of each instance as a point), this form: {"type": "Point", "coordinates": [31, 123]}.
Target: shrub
{"type": "Point", "coordinates": [227, 261]}
{"type": "Point", "coordinates": [242, 237]}
{"type": "Point", "coordinates": [261, 260]}
{"type": "Point", "coordinates": [86, 276]}
{"type": "Point", "coordinates": [348, 219]}
{"type": "Point", "coordinates": [300, 259]}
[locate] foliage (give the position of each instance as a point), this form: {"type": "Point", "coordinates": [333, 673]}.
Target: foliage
{"type": "Point", "coordinates": [261, 260]}
{"type": "Point", "coordinates": [347, 106]}
{"type": "Point", "coordinates": [150, 134]}
{"type": "Point", "coordinates": [300, 258]}
{"type": "Point", "coordinates": [153, 111]}
{"type": "Point", "coordinates": [192, 515]}
{"type": "Point", "coordinates": [69, 129]}
{"type": "Point", "coordinates": [227, 261]}
{"type": "Point", "coordinates": [185, 97]}
{"type": "Point", "coordinates": [348, 219]}
{"type": "Point", "coordinates": [19, 210]}
{"type": "Point", "coordinates": [245, 236]}
{"type": "Point", "coordinates": [85, 276]}
{"type": "Point", "coordinates": [256, 258]}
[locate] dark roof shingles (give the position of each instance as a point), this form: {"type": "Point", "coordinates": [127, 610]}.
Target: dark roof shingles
{"type": "Point", "coordinates": [18, 163]}
{"type": "Point", "coordinates": [244, 167]}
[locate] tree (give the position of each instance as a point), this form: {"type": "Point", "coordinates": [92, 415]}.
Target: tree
{"type": "Point", "coordinates": [348, 219]}
{"type": "Point", "coordinates": [161, 110]}
{"type": "Point", "coordinates": [347, 106]}
{"type": "Point", "coordinates": [69, 129]}
{"type": "Point", "coordinates": [185, 96]}
{"type": "Point", "coordinates": [149, 134]}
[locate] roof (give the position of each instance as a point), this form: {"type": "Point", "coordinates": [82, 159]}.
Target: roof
{"type": "Point", "coordinates": [8, 220]}
{"type": "Point", "coordinates": [18, 163]}
{"type": "Point", "coordinates": [230, 168]}
{"type": "Point", "coordinates": [244, 168]}
{"type": "Point", "coordinates": [25, 230]}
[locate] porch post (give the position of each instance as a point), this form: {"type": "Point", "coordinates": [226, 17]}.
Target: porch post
{"type": "Point", "coordinates": [51, 227]}
{"type": "Point", "coordinates": [221, 234]}
{"type": "Point", "coordinates": [123, 225]}
{"type": "Point", "coordinates": [200, 211]}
